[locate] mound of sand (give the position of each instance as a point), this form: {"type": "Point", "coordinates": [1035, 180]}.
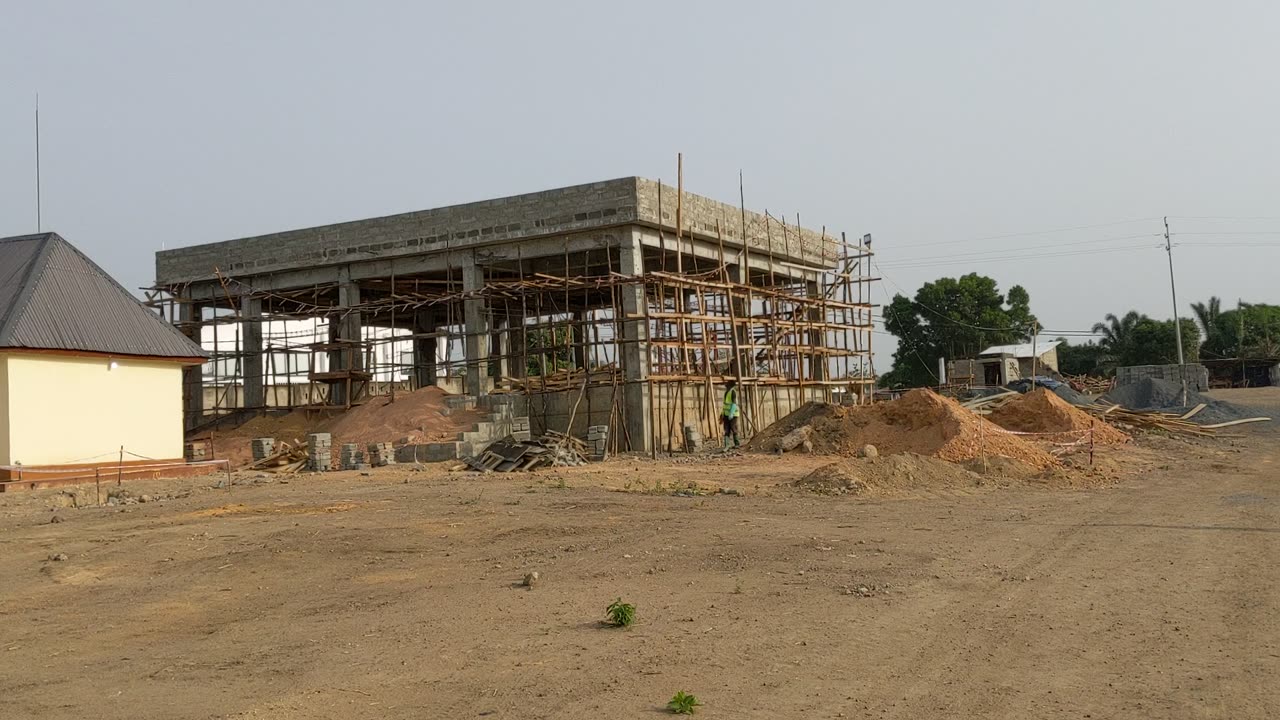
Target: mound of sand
{"type": "Point", "coordinates": [1043, 411]}
{"type": "Point", "coordinates": [880, 475]}
{"type": "Point", "coordinates": [920, 422]}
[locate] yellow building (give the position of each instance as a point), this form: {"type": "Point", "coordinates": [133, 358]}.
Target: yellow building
{"type": "Point", "coordinates": [89, 377]}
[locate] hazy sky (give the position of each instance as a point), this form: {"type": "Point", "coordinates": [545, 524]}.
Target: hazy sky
{"type": "Point", "coordinates": [932, 125]}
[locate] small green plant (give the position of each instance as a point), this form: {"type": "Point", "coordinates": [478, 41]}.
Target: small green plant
{"type": "Point", "coordinates": [682, 703]}
{"type": "Point", "coordinates": [621, 614]}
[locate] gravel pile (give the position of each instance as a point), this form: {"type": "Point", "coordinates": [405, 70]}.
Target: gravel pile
{"type": "Point", "coordinates": [1166, 396]}
{"type": "Point", "coordinates": [1065, 392]}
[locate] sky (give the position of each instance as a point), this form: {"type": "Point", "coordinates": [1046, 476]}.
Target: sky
{"type": "Point", "coordinates": [1038, 143]}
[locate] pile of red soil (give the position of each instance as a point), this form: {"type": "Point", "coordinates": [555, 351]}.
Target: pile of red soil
{"type": "Point", "coordinates": [414, 418]}
{"type": "Point", "coordinates": [1042, 411]}
{"type": "Point", "coordinates": [920, 422]}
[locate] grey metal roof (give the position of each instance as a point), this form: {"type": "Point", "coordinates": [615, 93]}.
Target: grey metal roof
{"type": "Point", "coordinates": [53, 297]}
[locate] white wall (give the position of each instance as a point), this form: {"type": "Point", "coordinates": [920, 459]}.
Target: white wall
{"type": "Point", "coordinates": [79, 409]}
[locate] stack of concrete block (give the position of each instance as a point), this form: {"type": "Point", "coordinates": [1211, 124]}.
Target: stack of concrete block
{"type": "Point", "coordinates": [380, 454]}
{"type": "Point", "coordinates": [319, 449]}
{"type": "Point", "coordinates": [1197, 375]}
{"type": "Point", "coordinates": [692, 438]}
{"type": "Point", "coordinates": [520, 430]}
{"type": "Point", "coordinates": [455, 403]}
{"type": "Point", "coordinates": [263, 448]}
{"type": "Point", "coordinates": [597, 442]}
{"type": "Point", "coordinates": [351, 457]}
{"type": "Point", "coordinates": [194, 452]}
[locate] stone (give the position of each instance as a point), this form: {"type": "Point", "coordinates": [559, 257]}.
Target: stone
{"type": "Point", "coordinates": [58, 557]}
{"type": "Point", "coordinates": [531, 579]}
{"type": "Point", "coordinates": [868, 451]}
{"type": "Point", "coordinates": [55, 519]}
{"type": "Point", "coordinates": [145, 499]}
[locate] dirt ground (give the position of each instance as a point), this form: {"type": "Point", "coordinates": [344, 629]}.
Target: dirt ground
{"type": "Point", "coordinates": [397, 594]}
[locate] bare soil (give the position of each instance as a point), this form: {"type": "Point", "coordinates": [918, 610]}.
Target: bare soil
{"type": "Point", "coordinates": [398, 594]}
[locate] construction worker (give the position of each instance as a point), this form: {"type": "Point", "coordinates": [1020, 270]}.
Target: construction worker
{"type": "Point", "coordinates": [729, 414]}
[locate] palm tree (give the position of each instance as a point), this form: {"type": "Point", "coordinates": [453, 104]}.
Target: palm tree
{"type": "Point", "coordinates": [1207, 316]}
{"type": "Point", "coordinates": [1117, 332]}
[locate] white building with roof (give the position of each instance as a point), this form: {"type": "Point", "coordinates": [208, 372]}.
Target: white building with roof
{"type": "Point", "coordinates": [89, 377]}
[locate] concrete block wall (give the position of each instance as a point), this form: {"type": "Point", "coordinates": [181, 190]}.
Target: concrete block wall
{"type": "Point", "coordinates": [551, 411]}
{"type": "Point", "coordinates": [508, 219]}
{"type": "Point", "coordinates": [702, 213]}
{"type": "Point", "coordinates": [763, 412]}
{"type": "Point", "coordinates": [1197, 374]}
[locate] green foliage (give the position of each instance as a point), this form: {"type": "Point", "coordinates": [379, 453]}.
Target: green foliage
{"type": "Point", "coordinates": [1087, 359]}
{"type": "Point", "coordinates": [1207, 315]}
{"type": "Point", "coordinates": [549, 348]}
{"type": "Point", "coordinates": [621, 614]}
{"type": "Point", "coordinates": [1136, 339]}
{"type": "Point", "coordinates": [952, 318]}
{"type": "Point", "coordinates": [683, 703]}
{"type": "Point", "coordinates": [1249, 331]}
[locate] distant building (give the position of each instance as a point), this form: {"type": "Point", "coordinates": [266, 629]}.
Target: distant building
{"type": "Point", "coordinates": [85, 369]}
{"type": "Point", "coordinates": [1002, 364]}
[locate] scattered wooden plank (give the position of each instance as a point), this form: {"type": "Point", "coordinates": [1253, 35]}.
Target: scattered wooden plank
{"type": "Point", "coordinates": [1194, 410]}
{"type": "Point", "coordinates": [1235, 422]}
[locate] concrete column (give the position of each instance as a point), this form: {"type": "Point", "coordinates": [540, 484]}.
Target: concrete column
{"type": "Point", "coordinates": [424, 349]}
{"type": "Point", "coordinates": [476, 316]}
{"type": "Point", "coordinates": [518, 367]}
{"type": "Point", "coordinates": [192, 375]}
{"type": "Point", "coordinates": [635, 347]}
{"type": "Point", "coordinates": [345, 326]}
{"type": "Point", "coordinates": [502, 347]}
{"type": "Point", "coordinates": [251, 360]}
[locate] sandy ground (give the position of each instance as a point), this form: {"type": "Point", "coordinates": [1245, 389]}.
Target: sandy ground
{"type": "Point", "coordinates": [396, 595]}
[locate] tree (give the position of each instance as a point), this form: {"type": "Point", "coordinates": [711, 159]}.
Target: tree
{"type": "Point", "coordinates": [1117, 333]}
{"type": "Point", "coordinates": [1086, 359]}
{"type": "Point", "coordinates": [1207, 315]}
{"type": "Point", "coordinates": [1155, 342]}
{"type": "Point", "coordinates": [952, 318]}
{"type": "Point", "coordinates": [1136, 339]}
{"type": "Point", "coordinates": [1249, 331]}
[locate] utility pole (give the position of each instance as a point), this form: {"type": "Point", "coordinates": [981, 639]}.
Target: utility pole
{"type": "Point", "coordinates": [39, 221]}
{"type": "Point", "coordinates": [1177, 324]}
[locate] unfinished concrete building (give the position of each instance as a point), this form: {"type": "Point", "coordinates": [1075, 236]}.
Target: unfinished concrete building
{"type": "Point", "coordinates": [623, 303]}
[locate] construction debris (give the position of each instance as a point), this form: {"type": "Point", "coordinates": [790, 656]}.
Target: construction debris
{"type": "Point", "coordinates": [510, 455]}
{"type": "Point", "coordinates": [284, 458]}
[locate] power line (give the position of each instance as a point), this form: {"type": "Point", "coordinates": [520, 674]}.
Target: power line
{"type": "Point", "coordinates": [1034, 233]}
{"type": "Point", "coordinates": [1023, 257]}
{"type": "Point", "coordinates": [978, 253]}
